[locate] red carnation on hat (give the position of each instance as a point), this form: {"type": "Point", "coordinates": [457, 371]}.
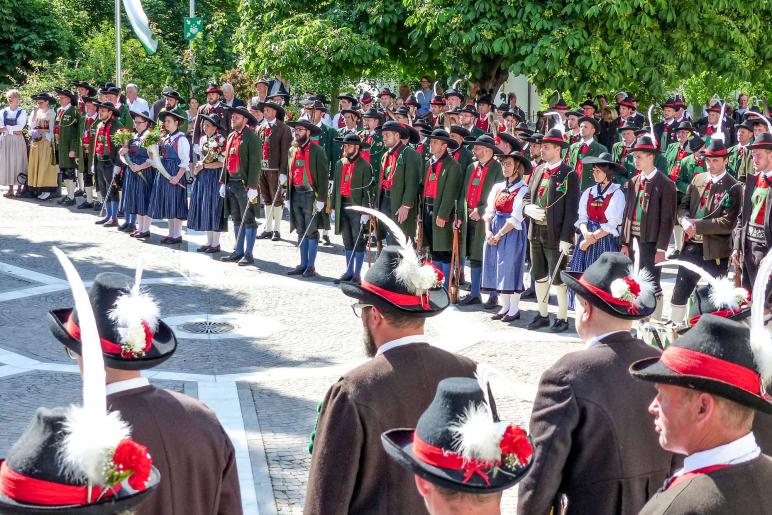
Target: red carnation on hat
{"type": "Point", "coordinates": [633, 285]}
{"type": "Point", "coordinates": [133, 458]}
{"type": "Point", "coordinates": [515, 443]}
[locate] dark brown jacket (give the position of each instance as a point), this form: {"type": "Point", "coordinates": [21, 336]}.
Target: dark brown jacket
{"type": "Point", "coordinates": [350, 471]}
{"type": "Point", "coordinates": [720, 214]}
{"type": "Point", "coordinates": [594, 438]}
{"type": "Point", "coordinates": [659, 210]}
{"type": "Point", "coordinates": [278, 146]}
{"type": "Point", "coordinates": [562, 206]}
{"type": "Point", "coordinates": [745, 215]}
{"type": "Point", "coordinates": [740, 489]}
{"type": "Point", "coordinates": [190, 449]}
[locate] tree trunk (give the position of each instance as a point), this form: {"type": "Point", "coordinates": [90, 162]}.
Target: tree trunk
{"type": "Point", "coordinates": [491, 81]}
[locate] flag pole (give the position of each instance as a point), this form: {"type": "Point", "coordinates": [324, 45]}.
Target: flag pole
{"type": "Point", "coordinates": [192, 14]}
{"type": "Point", "coordinates": [118, 43]}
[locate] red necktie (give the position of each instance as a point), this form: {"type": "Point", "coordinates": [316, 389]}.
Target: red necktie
{"type": "Point", "coordinates": [710, 131]}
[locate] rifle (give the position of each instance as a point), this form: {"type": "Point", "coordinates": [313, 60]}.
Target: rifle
{"type": "Point", "coordinates": [455, 260]}
{"type": "Point", "coordinates": [419, 241]}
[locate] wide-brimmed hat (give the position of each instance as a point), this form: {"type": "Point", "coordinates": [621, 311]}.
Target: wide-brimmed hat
{"type": "Point", "coordinates": [443, 135]}
{"type": "Point", "coordinates": [131, 339]}
{"type": "Point", "coordinates": [589, 103]}
{"type": "Point", "coordinates": [611, 284]}
{"type": "Point", "coordinates": [280, 112]}
{"type": "Point", "coordinates": [386, 289]}
{"type": "Point", "coordinates": [395, 126]}
{"type": "Point", "coordinates": [314, 129]}
{"type": "Point", "coordinates": [560, 104]}
{"type": "Point", "coordinates": [438, 100]}
{"type": "Point", "coordinates": [627, 102]}
{"type": "Point", "coordinates": [366, 98]}
{"type": "Point", "coordinates": [523, 127]}
{"type": "Point", "coordinates": [173, 94]}
{"type": "Point", "coordinates": [411, 101]}
{"type": "Point", "coordinates": [144, 115]}
{"type": "Point", "coordinates": [243, 111]}
{"type": "Point", "coordinates": [555, 136]}
{"type": "Point", "coordinates": [469, 108]}
{"type": "Point", "coordinates": [535, 137]}
{"type": "Point", "coordinates": [714, 356]}
{"type": "Point", "coordinates": [454, 91]}
{"type": "Point", "coordinates": [515, 115]}
{"type": "Point", "coordinates": [108, 88]}
{"type": "Point", "coordinates": [351, 98]}
{"type": "Point", "coordinates": [110, 106]}
{"type": "Point", "coordinates": [355, 112]}
{"type": "Point", "coordinates": [84, 84]}
{"type": "Point", "coordinates": [716, 148]}
{"type": "Point", "coordinates": [670, 102]}
{"type": "Point", "coordinates": [645, 144]}
{"type": "Point", "coordinates": [715, 108]}
{"type": "Point", "coordinates": [215, 120]}
{"type": "Point", "coordinates": [443, 449]}
{"type": "Point", "coordinates": [589, 119]}
{"type": "Point", "coordinates": [685, 125]}
{"type": "Point", "coordinates": [457, 129]}
{"type": "Point", "coordinates": [386, 92]}
{"type": "Point", "coordinates": [181, 117]}
{"type": "Point", "coordinates": [89, 100]}
{"type": "Point", "coordinates": [373, 113]}
{"type": "Point", "coordinates": [509, 139]}
{"type": "Point", "coordinates": [276, 89]}
{"type": "Point", "coordinates": [67, 93]}
{"type": "Point", "coordinates": [486, 140]}
{"type": "Point", "coordinates": [35, 477]}
{"type": "Point", "coordinates": [485, 99]}
{"type": "Point", "coordinates": [763, 141]}
{"type": "Point", "coordinates": [746, 124]}
{"type": "Point", "coordinates": [518, 156]}
{"type": "Point", "coordinates": [629, 125]}
{"type": "Point", "coordinates": [695, 143]}
{"type": "Point", "coordinates": [353, 139]}
{"type": "Point", "coordinates": [213, 88]}
{"type": "Point", "coordinates": [43, 96]}
{"type": "Point", "coordinates": [606, 162]}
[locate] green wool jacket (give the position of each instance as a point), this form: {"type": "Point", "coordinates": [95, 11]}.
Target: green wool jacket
{"type": "Point", "coordinates": [616, 155]}
{"type": "Point", "coordinates": [404, 188]}
{"type": "Point", "coordinates": [68, 138]}
{"type": "Point", "coordinates": [376, 151]}
{"type": "Point", "coordinates": [362, 187]}
{"type": "Point", "coordinates": [594, 150]}
{"type": "Point", "coordinates": [464, 157]}
{"type": "Point", "coordinates": [449, 186]}
{"type": "Point", "coordinates": [318, 167]}
{"type": "Point", "coordinates": [477, 237]}
{"type": "Point", "coordinates": [337, 148]}
{"type": "Point", "coordinates": [326, 141]}
{"type": "Point", "coordinates": [86, 156]}
{"type": "Point", "coordinates": [250, 156]}
{"type": "Point", "coordinates": [689, 169]}
{"type": "Point", "coordinates": [740, 165]}
{"type": "Point", "coordinates": [126, 120]}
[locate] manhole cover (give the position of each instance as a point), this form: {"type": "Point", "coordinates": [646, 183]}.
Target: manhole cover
{"type": "Point", "coordinates": [208, 327]}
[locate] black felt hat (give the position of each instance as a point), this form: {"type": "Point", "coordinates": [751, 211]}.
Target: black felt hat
{"type": "Point", "coordinates": [213, 88]}
{"type": "Point", "coordinates": [243, 111]}
{"type": "Point", "coordinates": [523, 127]}
{"type": "Point", "coordinates": [104, 294]}
{"type": "Point", "coordinates": [627, 102]}
{"type": "Point", "coordinates": [609, 284]}
{"type": "Point", "coordinates": [518, 156]}
{"type": "Point", "coordinates": [215, 120]}
{"type": "Point", "coordinates": [515, 115]}
{"type": "Point", "coordinates": [353, 139]}
{"type": "Point", "coordinates": [485, 140]}
{"type": "Point", "coordinates": [485, 99]}
{"type": "Point", "coordinates": [589, 119]}
{"type": "Point", "coordinates": [173, 94]}
{"type": "Point", "coordinates": [43, 96]}
{"type": "Point", "coordinates": [34, 469]}
{"type": "Point", "coordinates": [280, 112]}
{"type": "Point", "coordinates": [746, 124]}
{"type": "Point", "coordinates": [386, 92]}
{"type": "Point", "coordinates": [629, 125]}
{"type": "Point", "coordinates": [716, 148]}
{"type": "Point", "coordinates": [606, 162]}
{"type": "Point", "coordinates": [457, 129]}
{"type": "Point", "coordinates": [382, 288]}
{"type": "Point", "coordinates": [175, 113]}
{"type": "Point", "coordinates": [314, 129]}
{"type": "Point", "coordinates": [84, 84]}
{"type": "Point", "coordinates": [645, 144]}
{"type": "Point", "coordinates": [702, 303]}
{"type": "Point", "coordinates": [695, 143]}
{"type": "Point", "coordinates": [351, 98]}
{"type": "Point", "coordinates": [560, 104]}
{"type": "Point", "coordinates": [108, 88]}
{"type": "Point", "coordinates": [509, 139]}
{"type": "Point", "coordinates": [431, 450]}
{"type": "Point", "coordinates": [89, 100]}
{"type": "Point", "coordinates": [355, 112]}
{"type": "Point", "coordinates": [469, 108]}
{"type": "Point", "coordinates": [535, 137]}
{"type": "Point", "coordinates": [685, 125]}
{"type": "Point", "coordinates": [394, 126]}
{"type": "Point", "coordinates": [411, 101]}
{"type": "Point", "coordinates": [763, 141]}
{"type": "Point", "coordinates": [443, 135]}
{"type": "Point", "coordinates": [589, 103]}
{"type": "Point", "coordinates": [413, 136]}
{"type": "Point", "coordinates": [110, 106]}
{"type": "Point", "coordinates": [555, 136]}
{"type": "Point", "coordinates": [714, 356]}
{"type": "Point", "coordinates": [373, 113]}
{"type": "Point", "coordinates": [145, 116]}
{"type": "Point", "coordinates": [67, 93]}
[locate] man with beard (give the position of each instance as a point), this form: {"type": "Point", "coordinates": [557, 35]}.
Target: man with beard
{"type": "Point", "coordinates": [353, 185]}
{"type": "Point", "coordinates": [106, 163]}
{"type": "Point", "coordinates": [467, 118]}
{"type": "Point", "coordinates": [309, 173]}
{"type": "Point", "coordinates": [350, 472]}
{"type": "Point", "coordinates": [372, 120]}
{"type": "Point", "coordinates": [213, 106]}
{"type": "Point", "coordinates": [172, 103]}
{"type": "Point", "coordinates": [276, 138]}
{"type": "Point", "coordinates": [667, 129]}
{"type": "Point", "coordinates": [239, 183]}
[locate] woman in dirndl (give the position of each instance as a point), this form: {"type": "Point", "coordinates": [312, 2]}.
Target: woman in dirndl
{"type": "Point", "coordinates": [206, 208]}
{"type": "Point", "coordinates": [139, 178]}
{"type": "Point", "coordinates": [601, 210]}
{"type": "Point", "coordinates": [42, 171]}
{"type": "Point", "coordinates": [13, 149]}
{"type": "Point", "coordinates": [506, 237]}
{"type": "Point", "coordinates": [169, 198]}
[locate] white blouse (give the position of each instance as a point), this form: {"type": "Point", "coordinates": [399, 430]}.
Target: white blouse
{"type": "Point", "coordinates": [39, 116]}
{"type": "Point", "coordinates": [516, 218]}
{"type": "Point", "coordinates": [21, 121]}
{"type": "Point", "coordinates": [183, 150]}
{"type": "Point", "coordinates": [614, 212]}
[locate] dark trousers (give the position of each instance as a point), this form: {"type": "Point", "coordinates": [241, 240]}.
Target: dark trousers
{"type": "Point", "coordinates": [384, 206]}
{"type": "Point", "coordinates": [303, 216]}
{"type": "Point", "coordinates": [269, 183]}
{"type": "Point", "coordinates": [754, 253]}
{"type": "Point", "coordinates": [353, 232]}
{"type": "Point", "coordinates": [69, 174]}
{"type": "Point", "coordinates": [236, 203]}
{"type": "Point", "coordinates": [648, 252]}
{"type": "Point", "coordinates": [104, 170]}
{"type": "Point", "coordinates": [687, 280]}
{"type": "Point", "coordinates": [544, 255]}
{"type": "Point", "coordinates": [88, 179]}
{"type": "Point", "coordinates": [427, 210]}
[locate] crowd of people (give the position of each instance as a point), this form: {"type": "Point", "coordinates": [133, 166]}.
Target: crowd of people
{"type": "Point", "coordinates": [582, 201]}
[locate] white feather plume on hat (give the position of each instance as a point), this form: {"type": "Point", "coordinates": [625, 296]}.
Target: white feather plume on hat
{"type": "Point", "coordinates": [416, 276]}
{"type": "Point", "coordinates": [761, 341]}
{"type": "Point", "coordinates": [723, 293]}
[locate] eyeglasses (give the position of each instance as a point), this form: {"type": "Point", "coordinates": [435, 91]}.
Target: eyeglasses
{"type": "Point", "coordinates": [71, 353]}
{"type": "Point", "coordinates": [358, 308]}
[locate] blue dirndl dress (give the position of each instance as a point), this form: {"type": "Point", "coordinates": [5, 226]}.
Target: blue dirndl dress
{"type": "Point", "coordinates": [503, 264]}
{"type": "Point", "coordinates": [137, 189]}
{"type": "Point", "coordinates": [169, 200]}
{"type": "Point", "coordinates": [597, 204]}
{"type": "Point", "coordinates": [206, 204]}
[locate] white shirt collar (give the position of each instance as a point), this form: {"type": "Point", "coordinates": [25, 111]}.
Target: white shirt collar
{"type": "Point", "coordinates": [715, 180]}
{"type": "Point", "coordinates": [588, 142]}
{"type": "Point", "coordinates": [128, 384]}
{"type": "Point", "coordinates": [739, 451]}
{"type": "Point", "coordinates": [399, 342]}
{"type": "Point", "coordinates": [592, 342]}
{"type": "Point", "coordinates": [651, 175]}
{"type": "Point", "coordinates": [551, 166]}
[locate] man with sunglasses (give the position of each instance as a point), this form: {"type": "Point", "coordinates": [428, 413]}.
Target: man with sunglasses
{"type": "Point", "coordinates": [350, 472]}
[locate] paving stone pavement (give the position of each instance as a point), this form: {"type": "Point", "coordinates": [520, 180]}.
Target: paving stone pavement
{"type": "Point", "coordinates": [294, 337]}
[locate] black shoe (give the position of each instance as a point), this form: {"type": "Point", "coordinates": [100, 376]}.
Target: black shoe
{"type": "Point", "coordinates": [469, 300]}
{"type": "Point", "coordinates": [142, 235]}
{"type": "Point", "coordinates": [326, 241]}
{"type": "Point", "coordinates": [492, 302]}
{"type": "Point", "coordinates": [498, 316]}
{"type": "Point", "coordinates": [232, 257]}
{"type": "Point", "coordinates": [80, 193]}
{"type": "Point", "coordinates": [674, 255]}
{"type": "Point", "coordinates": [246, 260]}
{"type": "Point", "coordinates": [265, 235]}
{"type": "Point", "coordinates": [528, 294]}
{"type": "Point", "coordinates": [203, 248]}
{"type": "Point", "coordinates": [61, 200]}
{"type": "Point", "coordinates": [102, 221]}
{"type": "Point", "coordinates": [212, 250]}
{"type": "Point", "coordinates": [111, 223]}
{"type": "Point", "coordinates": [344, 277]}
{"type": "Point", "coordinates": [539, 322]}
{"type": "Point", "coordinates": [464, 285]}
{"type": "Point", "coordinates": [298, 270]}
{"type": "Point", "coordinates": [86, 205]}
{"type": "Point", "coordinates": [97, 206]}
{"type": "Point", "coordinates": [68, 201]}
{"type": "Point", "coordinates": [124, 227]}
{"type": "Point", "coordinates": [510, 318]}
{"type": "Point", "coordinates": [309, 272]}
{"type": "Point", "coordinates": [131, 228]}
{"type": "Point", "coordinates": [275, 236]}
{"type": "Point", "coordinates": [558, 326]}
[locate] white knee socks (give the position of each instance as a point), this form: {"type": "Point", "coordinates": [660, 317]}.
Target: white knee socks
{"type": "Point", "coordinates": [562, 302]}
{"type": "Point", "coordinates": [678, 231]}
{"type": "Point", "coordinates": [504, 298]}
{"type": "Point", "coordinates": [278, 212]}
{"type": "Point", "coordinates": [514, 304]}
{"type": "Point", "coordinates": [542, 292]}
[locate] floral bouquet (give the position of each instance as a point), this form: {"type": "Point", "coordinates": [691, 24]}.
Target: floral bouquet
{"type": "Point", "coordinates": [152, 138]}
{"type": "Point", "coordinates": [122, 137]}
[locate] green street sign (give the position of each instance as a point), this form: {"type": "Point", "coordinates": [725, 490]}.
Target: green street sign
{"type": "Point", "coordinates": [192, 27]}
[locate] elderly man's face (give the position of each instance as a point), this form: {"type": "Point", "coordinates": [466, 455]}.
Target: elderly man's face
{"type": "Point", "coordinates": [673, 410]}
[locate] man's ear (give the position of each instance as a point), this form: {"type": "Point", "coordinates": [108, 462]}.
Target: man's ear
{"type": "Point", "coordinates": [423, 486]}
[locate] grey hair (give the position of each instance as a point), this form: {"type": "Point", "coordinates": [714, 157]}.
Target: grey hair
{"type": "Point", "coordinates": [132, 85]}
{"type": "Point", "coordinates": [227, 86]}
